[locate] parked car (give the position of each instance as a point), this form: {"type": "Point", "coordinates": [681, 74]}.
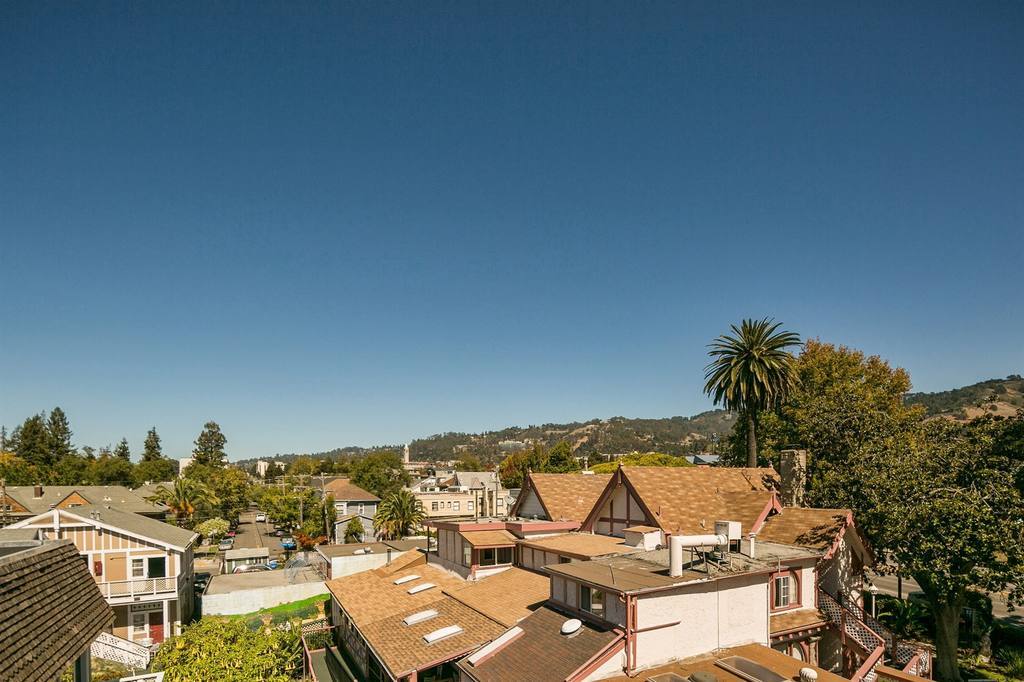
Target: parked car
{"type": "Point", "coordinates": [201, 581]}
{"type": "Point", "coordinates": [279, 532]}
{"type": "Point", "coordinates": [230, 534]}
{"type": "Point", "coordinates": [288, 543]}
{"type": "Point", "coordinates": [226, 544]}
{"type": "Point", "coordinates": [261, 517]}
{"type": "Point", "coordinates": [251, 568]}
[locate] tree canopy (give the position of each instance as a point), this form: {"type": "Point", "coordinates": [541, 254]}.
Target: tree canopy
{"type": "Point", "coordinates": [398, 514]}
{"type": "Point", "coordinates": [151, 448]}
{"type": "Point", "coordinates": [209, 446]}
{"type": "Point", "coordinates": [558, 460]}
{"type": "Point", "coordinates": [646, 459]}
{"type": "Point", "coordinates": [219, 650]}
{"type": "Point", "coordinates": [380, 473]}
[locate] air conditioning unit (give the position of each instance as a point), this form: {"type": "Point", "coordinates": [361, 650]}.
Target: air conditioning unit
{"type": "Point", "coordinates": [730, 529]}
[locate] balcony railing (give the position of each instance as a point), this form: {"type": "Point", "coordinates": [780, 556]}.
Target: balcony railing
{"type": "Point", "coordinates": [140, 587]}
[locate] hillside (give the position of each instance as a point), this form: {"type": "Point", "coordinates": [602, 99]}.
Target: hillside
{"type": "Point", "coordinates": [1001, 397]}
{"type": "Point", "coordinates": [671, 435]}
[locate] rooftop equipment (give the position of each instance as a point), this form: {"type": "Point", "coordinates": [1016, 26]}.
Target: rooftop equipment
{"type": "Point", "coordinates": [571, 626]}
{"type": "Point", "coordinates": [676, 543]}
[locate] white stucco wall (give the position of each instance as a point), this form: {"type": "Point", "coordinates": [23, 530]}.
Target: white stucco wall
{"type": "Point", "coordinates": [347, 565]}
{"type": "Point", "coordinates": [247, 601]}
{"type": "Point", "coordinates": [611, 668]}
{"type": "Point", "coordinates": [713, 615]}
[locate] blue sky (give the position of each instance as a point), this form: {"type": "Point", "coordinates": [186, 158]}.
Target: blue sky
{"type": "Point", "coordinates": [369, 222]}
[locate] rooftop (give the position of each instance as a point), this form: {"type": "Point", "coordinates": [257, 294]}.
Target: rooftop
{"type": "Point", "coordinates": [580, 545]}
{"type": "Point", "coordinates": [137, 525]}
{"type": "Point", "coordinates": [345, 490]}
{"type": "Point", "coordinates": [247, 553]}
{"type": "Point", "coordinates": [541, 648]}
{"type": "Point", "coordinates": [566, 497]}
{"type": "Point", "coordinates": [37, 642]}
{"type": "Point", "coordinates": [816, 528]}
{"type": "Point", "coordinates": [775, 661]}
{"type": "Point", "coordinates": [646, 570]}
{"type": "Point", "coordinates": [116, 496]}
{"type": "Point", "coordinates": [800, 619]}
{"type": "Point", "coordinates": [488, 538]}
{"type": "Point", "coordinates": [231, 582]}
{"type": "Point", "coordinates": [507, 597]}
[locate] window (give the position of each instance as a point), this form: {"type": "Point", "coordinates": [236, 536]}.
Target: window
{"type": "Point", "coordinates": [495, 556]}
{"type": "Point", "coordinates": [139, 624]}
{"type": "Point", "coordinates": [456, 505]}
{"type": "Point", "coordinates": [433, 506]}
{"type": "Point", "coordinates": [157, 567]}
{"type": "Point", "coordinates": [501, 502]}
{"type": "Point", "coordinates": [467, 554]}
{"type": "Point", "coordinates": [138, 568]}
{"type": "Point", "coordinates": [469, 505]}
{"type": "Point", "coordinates": [592, 600]}
{"type": "Point", "coordinates": [504, 555]}
{"type": "Point", "coordinates": [785, 590]}
{"type": "Point", "coordinates": [361, 507]}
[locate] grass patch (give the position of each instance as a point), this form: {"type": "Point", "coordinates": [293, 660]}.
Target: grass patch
{"type": "Point", "coordinates": [302, 609]}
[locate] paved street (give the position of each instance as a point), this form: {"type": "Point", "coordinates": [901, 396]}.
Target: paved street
{"type": "Point", "coordinates": [887, 584]}
{"type": "Point", "coordinates": [251, 533]}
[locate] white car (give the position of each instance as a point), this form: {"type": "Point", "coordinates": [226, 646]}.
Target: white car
{"type": "Point", "coordinates": [261, 517]}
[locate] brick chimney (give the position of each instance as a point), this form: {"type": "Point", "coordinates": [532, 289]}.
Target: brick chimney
{"type": "Point", "coordinates": [793, 470]}
{"type": "Point", "coordinates": [37, 492]}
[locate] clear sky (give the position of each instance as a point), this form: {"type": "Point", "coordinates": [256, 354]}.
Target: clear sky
{"type": "Point", "coordinates": [323, 224]}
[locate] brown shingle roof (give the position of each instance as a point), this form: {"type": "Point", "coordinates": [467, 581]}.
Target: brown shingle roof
{"type": "Point", "coordinates": [50, 611]}
{"type": "Point", "coordinates": [795, 620]}
{"type": "Point", "coordinates": [507, 597]}
{"type": "Point", "coordinates": [371, 596]}
{"type": "Point", "coordinates": [488, 538]}
{"type": "Point", "coordinates": [580, 545]}
{"type": "Point", "coordinates": [345, 490]}
{"type": "Point", "coordinates": [542, 651]}
{"type": "Point", "coordinates": [402, 649]}
{"type": "Point", "coordinates": [814, 528]}
{"type": "Point", "coordinates": [691, 499]}
{"type": "Point", "coordinates": [568, 497]}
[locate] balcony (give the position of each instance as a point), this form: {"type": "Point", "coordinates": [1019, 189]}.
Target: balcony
{"type": "Point", "coordinates": [129, 590]}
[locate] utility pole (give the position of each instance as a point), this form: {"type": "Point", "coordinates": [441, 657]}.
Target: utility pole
{"type": "Point", "coordinates": [3, 502]}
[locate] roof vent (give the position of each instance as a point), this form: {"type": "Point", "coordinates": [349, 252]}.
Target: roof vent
{"type": "Point", "coordinates": [406, 579]}
{"type": "Point", "coordinates": [808, 675]}
{"type": "Point", "coordinates": [420, 588]}
{"type": "Point", "coordinates": [571, 626]}
{"type": "Point", "coordinates": [420, 617]}
{"type": "Point", "coordinates": [437, 635]}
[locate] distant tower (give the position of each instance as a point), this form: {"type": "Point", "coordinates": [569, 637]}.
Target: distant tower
{"type": "Point", "coordinates": [405, 453]}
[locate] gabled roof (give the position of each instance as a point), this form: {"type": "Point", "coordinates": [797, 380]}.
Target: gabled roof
{"type": "Point", "coordinates": [476, 479]}
{"type": "Point", "coordinates": [116, 496]}
{"type": "Point", "coordinates": [565, 497]}
{"type": "Point", "coordinates": [38, 641]}
{"type": "Point", "coordinates": [136, 525]}
{"type": "Point", "coordinates": [688, 500]}
{"type": "Point", "coordinates": [541, 649]}
{"type": "Point", "coordinates": [345, 490]}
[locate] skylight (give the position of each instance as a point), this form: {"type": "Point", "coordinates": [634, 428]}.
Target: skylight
{"type": "Point", "coordinates": [420, 588]}
{"type": "Point", "coordinates": [406, 579]}
{"type": "Point", "coordinates": [420, 616]}
{"type": "Point", "coordinates": [437, 635]}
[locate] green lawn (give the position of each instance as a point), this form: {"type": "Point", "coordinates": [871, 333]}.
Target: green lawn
{"type": "Point", "coordinates": [302, 609]}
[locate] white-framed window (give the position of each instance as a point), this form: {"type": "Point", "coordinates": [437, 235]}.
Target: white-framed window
{"type": "Point", "coordinates": [140, 625]}
{"type": "Point", "coordinates": [361, 507]}
{"type": "Point", "coordinates": [496, 556]}
{"type": "Point", "coordinates": [785, 590]}
{"type": "Point", "coordinates": [456, 505]}
{"type": "Point", "coordinates": [469, 505]}
{"type": "Point", "coordinates": [467, 554]}
{"type": "Point", "coordinates": [138, 568]}
{"type": "Point", "coordinates": [501, 502]}
{"type": "Point", "coordinates": [433, 506]}
{"type": "Point", "coordinates": [592, 600]}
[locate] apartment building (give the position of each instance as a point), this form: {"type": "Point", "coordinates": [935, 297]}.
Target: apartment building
{"type": "Point", "coordinates": [142, 567]}
{"type": "Point", "coordinates": [464, 494]}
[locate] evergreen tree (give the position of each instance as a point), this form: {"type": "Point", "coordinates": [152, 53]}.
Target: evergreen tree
{"type": "Point", "coordinates": [33, 441]}
{"type": "Point", "coordinates": [60, 435]}
{"type": "Point", "coordinates": [209, 447]}
{"type": "Point", "coordinates": [151, 449]}
{"type": "Point", "coordinates": [123, 451]}
{"type": "Point", "coordinates": [3, 439]}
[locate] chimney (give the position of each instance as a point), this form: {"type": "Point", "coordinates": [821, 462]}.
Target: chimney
{"type": "Point", "coordinates": [793, 469]}
{"type": "Point", "coordinates": [37, 492]}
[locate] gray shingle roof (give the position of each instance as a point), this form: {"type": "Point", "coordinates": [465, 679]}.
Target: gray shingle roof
{"type": "Point", "coordinates": [135, 524]}
{"type": "Point", "coordinates": [115, 495]}
{"type": "Point", "coordinates": [50, 611]}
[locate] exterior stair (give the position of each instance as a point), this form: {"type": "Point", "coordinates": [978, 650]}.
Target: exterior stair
{"type": "Point", "coordinates": [875, 641]}
{"type": "Point", "coordinates": [112, 648]}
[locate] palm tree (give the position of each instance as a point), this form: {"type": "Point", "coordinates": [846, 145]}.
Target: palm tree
{"type": "Point", "coordinates": [183, 498]}
{"type": "Point", "coordinates": [397, 515]}
{"type": "Point", "coordinates": [751, 372]}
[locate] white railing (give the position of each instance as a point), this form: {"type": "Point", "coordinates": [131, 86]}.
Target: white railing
{"type": "Point", "coordinates": [112, 648]}
{"type": "Point", "coordinates": [139, 587]}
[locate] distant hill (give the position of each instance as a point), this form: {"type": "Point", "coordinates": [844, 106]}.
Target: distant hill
{"type": "Point", "coordinates": [1001, 397]}
{"type": "Point", "coordinates": [671, 435]}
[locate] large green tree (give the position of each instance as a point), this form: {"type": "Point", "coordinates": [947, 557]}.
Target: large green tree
{"type": "Point", "coordinates": [59, 431]}
{"type": "Point", "coordinates": [209, 446]}
{"type": "Point", "coordinates": [151, 448]}
{"type": "Point", "coordinates": [108, 469]}
{"type": "Point", "coordinates": [398, 514]}
{"type": "Point", "coordinates": [31, 441]}
{"type": "Point", "coordinates": [220, 650]}
{"type": "Point", "coordinates": [752, 371]}
{"type": "Point", "coordinates": [123, 451]}
{"type": "Point", "coordinates": [381, 473]}
{"type": "Point", "coordinates": [940, 502]}
{"type": "Point", "coordinates": [154, 471]}
{"type": "Point", "coordinates": [183, 498]}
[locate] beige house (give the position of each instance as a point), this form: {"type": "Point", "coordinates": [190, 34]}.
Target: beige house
{"type": "Point", "coordinates": [143, 567]}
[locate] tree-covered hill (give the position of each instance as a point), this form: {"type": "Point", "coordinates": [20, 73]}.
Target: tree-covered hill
{"type": "Point", "coordinates": [994, 396]}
